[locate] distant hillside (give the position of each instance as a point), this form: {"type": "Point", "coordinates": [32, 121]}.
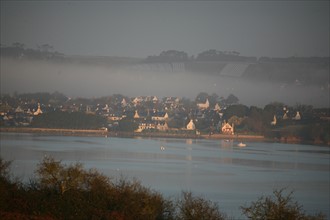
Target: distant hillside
{"type": "Point", "coordinates": [47, 53]}
{"type": "Point", "coordinates": [291, 70]}
{"type": "Point", "coordinates": [300, 73]}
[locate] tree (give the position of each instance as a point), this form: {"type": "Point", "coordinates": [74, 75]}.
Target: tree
{"type": "Point", "coordinates": [52, 174]}
{"type": "Point", "coordinates": [169, 56]}
{"type": "Point", "coordinates": [237, 110]}
{"type": "Point", "coordinates": [69, 120]}
{"type": "Point", "coordinates": [45, 48]}
{"type": "Point", "coordinates": [173, 55]}
{"type": "Point", "coordinates": [4, 168]}
{"type": "Point", "coordinates": [201, 97]}
{"type": "Point", "coordinates": [281, 207]}
{"type": "Point", "coordinates": [127, 124]}
{"type": "Point", "coordinates": [197, 208]}
{"type": "Point", "coordinates": [209, 55]}
{"type": "Point", "coordinates": [18, 45]}
{"type": "Point", "coordinates": [231, 99]}
{"type": "Point", "coordinates": [213, 99]}
{"type": "Point", "coordinates": [235, 120]}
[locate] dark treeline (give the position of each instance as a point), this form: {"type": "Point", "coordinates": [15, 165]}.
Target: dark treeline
{"type": "Point", "coordinates": [225, 56]}
{"type": "Point", "coordinates": [46, 51]}
{"type": "Point", "coordinates": [59, 191]}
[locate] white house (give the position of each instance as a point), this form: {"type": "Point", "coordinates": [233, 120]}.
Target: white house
{"type": "Point", "coordinates": [136, 115]}
{"type": "Point", "coordinates": [19, 110]}
{"type": "Point", "coordinates": [191, 125]}
{"type": "Point", "coordinates": [227, 128]}
{"type": "Point", "coordinates": [155, 99]}
{"type": "Point", "coordinates": [38, 112]}
{"type": "Point", "coordinates": [159, 116]}
{"type": "Point", "coordinates": [205, 105]}
{"type": "Point", "coordinates": [285, 116]}
{"type": "Point", "coordinates": [217, 107]}
{"type": "Point", "coordinates": [297, 117]}
{"type": "Point", "coordinates": [162, 126]}
{"type": "Point", "coordinates": [137, 100]}
{"type": "Point", "coordinates": [124, 103]}
{"type": "Point", "coordinates": [274, 121]}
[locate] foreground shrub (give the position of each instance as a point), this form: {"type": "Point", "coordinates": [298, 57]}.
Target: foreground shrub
{"type": "Point", "coordinates": [71, 192]}
{"type": "Point", "coordinates": [80, 194]}
{"type": "Point", "coordinates": [197, 208]}
{"type": "Point", "coordinates": [135, 201]}
{"type": "Point", "coordinates": [52, 174]}
{"type": "Point", "coordinates": [278, 207]}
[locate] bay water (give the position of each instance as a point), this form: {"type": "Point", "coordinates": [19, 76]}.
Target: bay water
{"type": "Point", "coordinates": [217, 170]}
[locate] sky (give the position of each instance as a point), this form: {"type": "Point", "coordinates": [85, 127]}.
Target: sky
{"type": "Point", "coordinates": [143, 28]}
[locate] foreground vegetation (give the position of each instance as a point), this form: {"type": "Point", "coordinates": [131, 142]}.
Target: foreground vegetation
{"type": "Point", "coordinates": [70, 192]}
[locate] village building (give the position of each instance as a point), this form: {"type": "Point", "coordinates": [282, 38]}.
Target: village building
{"type": "Point", "coordinates": [274, 121]}
{"type": "Point", "coordinates": [106, 108]}
{"type": "Point", "coordinates": [38, 112]}
{"type": "Point", "coordinates": [297, 117]}
{"type": "Point", "coordinates": [159, 116]}
{"type": "Point", "coordinates": [191, 126]}
{"type": "Point", "coordinates": [171, 102]}
{"type": "Point", "coordinates": [285, 116]}
{"type": "Point", "coordinates": [136, 115]}
{"type": "Point", "coordinates": [29, 112]}
{"type": "Point", "coordinates": [124, 102]}
{"type": "Point", "coordinates": [137, 100]}
{"type": "Point", "coordinates": [217, 107]}
{"type": "Point", "coordinates": [19, 110]}
{"type": "Point", "coordinates": [162, 126]}
{"type": "Point", "coordinates": [115, 117]}
{"type": "Point", "coordinates": [205, 105]}
{"type": "Point", "coordinates": [145, 126]}
{"type": "Point", "coordinates": [227, 128]}
{"type": "Point", "coordinates": [89, 109]}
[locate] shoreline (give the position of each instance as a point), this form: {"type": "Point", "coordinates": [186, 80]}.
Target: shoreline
{"type": "Point", "coordinates": [56, 131]}
{"type": "Point", "coordinates": [100, 132]}
{"type": "Point", "coordinates": [105, 133]}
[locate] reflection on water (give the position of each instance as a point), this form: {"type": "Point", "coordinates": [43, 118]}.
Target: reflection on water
{"type": "Point", "coordinates": [227, 143]}
{"type": "Point", "coordinates": [216, 169]}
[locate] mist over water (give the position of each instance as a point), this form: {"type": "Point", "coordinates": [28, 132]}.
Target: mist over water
{"type": "Point", "coordinates": [83, 80]}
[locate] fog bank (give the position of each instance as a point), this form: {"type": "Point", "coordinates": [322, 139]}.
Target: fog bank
{"type": "Point", "coordinates": [82, 80]}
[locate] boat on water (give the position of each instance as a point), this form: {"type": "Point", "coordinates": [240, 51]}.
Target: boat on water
{"type": "Point", "coordinates": [241, 144]}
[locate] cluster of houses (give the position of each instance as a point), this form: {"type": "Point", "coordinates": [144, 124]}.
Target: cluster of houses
{"type": "Point", "coordinates": [158, 120]}
{"type": "Point", "coordinates": [19, 116]}
{"type": "Point", "coordinates": [285, 116]}
{"type": "Point", "coordinates": [149, 113]}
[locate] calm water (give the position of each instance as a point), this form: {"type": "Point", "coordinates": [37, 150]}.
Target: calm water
{"type": "Point", "coordinates": [215, 169]}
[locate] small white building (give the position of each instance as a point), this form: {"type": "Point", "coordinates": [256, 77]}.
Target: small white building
{"type": "Point", "coordinates": [159, 117]}
{"type": "Point", "coordinates": [297, 117]}
{"type": "Point", "coordinates": [162, 126]}
{"type": "Point", "coordinates": [274, 121]}
{"type": "Point", "coordinates": [38, 112]}
{"type": "Point", "coordinates": [191, 125]}
{"type": "Point", "coordinates": [124, 103]}
{"type": "Point", "coordinates": [136, 115]}
{"type": "Point", "coordinates": [205, 105]}
{"type": "Point", "coordinates": [227, 128]}
{"type": "Point", "coordinates": [285, 116]}
{"type": "Point", "coordinates": [217, 107]}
